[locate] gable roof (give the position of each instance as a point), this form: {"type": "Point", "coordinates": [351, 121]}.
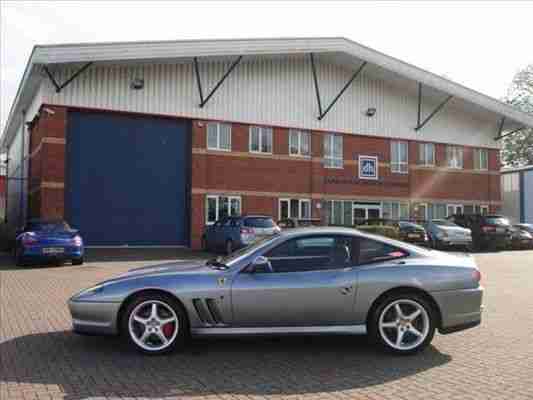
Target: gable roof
{"type": "Point", "coordinates": [338, 49]}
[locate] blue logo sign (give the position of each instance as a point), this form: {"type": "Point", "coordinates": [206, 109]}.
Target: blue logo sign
{"type": "Point", "coordinates": [368, 167]}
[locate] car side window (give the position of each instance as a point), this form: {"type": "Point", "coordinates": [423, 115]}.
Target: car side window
{"type": "Point", "coordinates": [375, 251]}
{"type": "Point", "coordinates": [311, 253]}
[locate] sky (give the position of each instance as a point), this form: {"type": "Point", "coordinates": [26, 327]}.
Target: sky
{"type": "Point", "coordinates": [478, 44]}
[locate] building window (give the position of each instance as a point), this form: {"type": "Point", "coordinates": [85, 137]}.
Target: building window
{"type": "Point", "coordinates": [426, 154]}
{"type": "Point", "coordinates": [481, 159]}
{"type": "Point", "coordinates": [333, 151]}
{"type": "Point", "coordinates": [452, 209]}
{"type": "Point", "coordinates": [218, 207]}
{"type": "Point", "coordinates": [454, 157]}
{"type": "Point", "coordinates": [218, 136]}
{"type": "Point", "coordinates": [396, 210]}
{"type": "Point", "coordinates": [294, 208]}
{"type": "Point", "coordinates": [299, 143]}
{"type": "Point", "coordinates": [260, 139]}
{"type": "Point", "coordinates": [481, 209]}
{"type": "Point", "coordinates": [399, 157]}
{"type": "Point", "coordinates": [339, 212]}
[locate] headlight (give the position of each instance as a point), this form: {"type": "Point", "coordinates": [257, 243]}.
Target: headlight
{"type": "Point", "coordinates": [89, 292]}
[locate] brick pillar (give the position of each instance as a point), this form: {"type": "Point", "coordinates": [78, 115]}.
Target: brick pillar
{"type": "Point", "coordinates": [198, 182]}
{"type": "Point", "coordinates": [47, 163]}
{"type": "Point", "coordinates": [317, 174]}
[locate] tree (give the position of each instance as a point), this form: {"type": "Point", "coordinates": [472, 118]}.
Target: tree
{"type": "Point", "coordinates": [518, 148]}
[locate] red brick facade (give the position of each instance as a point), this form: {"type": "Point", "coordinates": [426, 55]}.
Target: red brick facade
{"type": "Point", "coordinates": [260, 179]}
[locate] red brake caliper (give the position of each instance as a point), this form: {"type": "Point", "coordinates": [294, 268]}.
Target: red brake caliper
{"type": "Point", "coordinates": [168, 329]}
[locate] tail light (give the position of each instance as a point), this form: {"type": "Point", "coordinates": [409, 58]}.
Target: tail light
{"type": "Point", "coordinates": [246, 231]}
{"type": "Point", "coordinates": [77, 240]}
{"type": "Point", "coordinates": [487, 229]}
{"type": "Point", "coordinates": [29, 239]}
{"type": "Point", "coordinates": [476, 274]}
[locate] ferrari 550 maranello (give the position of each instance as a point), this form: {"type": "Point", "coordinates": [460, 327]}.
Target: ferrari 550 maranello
{"type": "Point", "coordinates": [302, 281]}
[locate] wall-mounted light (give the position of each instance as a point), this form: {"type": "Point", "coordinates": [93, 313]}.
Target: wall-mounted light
{"type": "Point", "coordinates": [137, 83]}
{"type": "Point", "coordinates": [370, 112]}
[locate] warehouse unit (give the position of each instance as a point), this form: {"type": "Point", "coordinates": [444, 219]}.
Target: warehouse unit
{"type": "Point", "coordinates": [517, 193]}
{"type": "Point", "coordinates": [145, 143]}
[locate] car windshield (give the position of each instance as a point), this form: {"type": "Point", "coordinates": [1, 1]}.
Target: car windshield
{"type": "Point", "coordinates": [47, 226]}
{"type": "Point", "coordinates": [259, 222]}
{"type": "Point", "coordinates": [497, 221]}
{"type": "Point", "coordinates": [443, 222]}
{"type": "Point", "coordinates": [245, 251]}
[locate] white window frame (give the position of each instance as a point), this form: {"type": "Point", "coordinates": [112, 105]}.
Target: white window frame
{"type": "Point", "coordinates": [330, 137]}
{"type": "Point", "coordinates": [450, 150]}
{"type": "Point", "coordinates": [483, 207]}
{"type": "Point", "coordinates": [375, 159]}
{"type": "Point", "coordinates": [300, 202]}
{"type": "Point", "coordinates": [299, 134]}
{"type": "Point", "coordinates": [218, 126]}
{"type": "Point", "coordinates": [455, 208]}
{"type": "Point", "coordinates": [396, 166]}
{"type": "Point", "coordinates": [425, 205]}
{"type": "Point", "coordinates": [424, 161]}
{"type": "Point", "coordinates": [261, 129]}
{"type": "Point", "coordinates": [477, 155]}
{"type": "Point", "coordinates": [217, 200]}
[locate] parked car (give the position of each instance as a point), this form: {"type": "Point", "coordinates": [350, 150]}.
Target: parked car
{"type": "Point", "coordinates": [48, 240]}
{"type": "Point", "coordinates": [301, 281]}
{"type": "Point", "coordinates": [443, 234]}
{"type": "Point", "coordinates": [232, 233]}
{"type": "Point", "coordinates": [413, 233]}
{"type": "Point", "coordinates": [289, 223]}
{"type": "Point", "coordinates": [488, 231]}
{"type": "Point", "coordinates": [525, 227]}
{"type": "Point", "coordinates": [521, 239]}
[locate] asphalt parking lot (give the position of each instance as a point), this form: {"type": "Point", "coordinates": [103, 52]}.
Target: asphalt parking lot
{"type": "Point", "coordinates": [41, 359]}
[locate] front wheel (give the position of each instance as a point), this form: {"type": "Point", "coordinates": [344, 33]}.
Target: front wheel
{"type": "Point", "coordinates": [403, 324]}
{"type": "Point", "coordinates": [154, 324]}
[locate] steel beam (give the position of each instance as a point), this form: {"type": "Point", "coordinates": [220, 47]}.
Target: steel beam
{"type": "Point", "coordinates": [203, 101]}
{"type": "Point", "coordinates": [315, 80]}
{"type": "Point", "coordinates": [510, 133]}
{"type": "Point", "coordinates": [419, 124]}
{"type": "Point", "coordinates": [58, 86]}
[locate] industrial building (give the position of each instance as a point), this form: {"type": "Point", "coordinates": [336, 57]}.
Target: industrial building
{"type": "Point", "coordinates": [144, 143]}
{"type": "Point", "coordinates": [517, 194]}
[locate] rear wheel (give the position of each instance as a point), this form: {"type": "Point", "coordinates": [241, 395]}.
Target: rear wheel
{"type": "Point", "coordinates": [77, 261]}
{"type": "Point", "coordinates": [403, 323]}
{"type": "Point", "coordinates": [19, 259]}
{"type": "Point", "coordinates": [229, 247]}
{"type": "Point", "coordinates": [154, 324]}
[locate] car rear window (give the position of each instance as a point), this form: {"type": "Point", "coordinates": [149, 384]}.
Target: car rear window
{"type": "Point", "coordinates": [497, 221]}
{"type": "Point", "coordinates": [48, 226]}
{"type": "Point", "coordinates": [259, 222]}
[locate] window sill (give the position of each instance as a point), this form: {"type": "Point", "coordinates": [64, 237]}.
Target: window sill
{"type": "Point", "coordinates": [330, 167]}
{"type": "Point", "coordinates": [218, 149]}
{"type": "Point", "coordinates": [261, 152]}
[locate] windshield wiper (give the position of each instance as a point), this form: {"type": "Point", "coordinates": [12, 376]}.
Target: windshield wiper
{"type": "Point", "coordinates": [216, 264]}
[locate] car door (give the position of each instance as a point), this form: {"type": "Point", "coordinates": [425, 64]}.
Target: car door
{"type": "Point", "coordinates": [218, 234]}
{"type": "Point", "coordinates": [313, 283]}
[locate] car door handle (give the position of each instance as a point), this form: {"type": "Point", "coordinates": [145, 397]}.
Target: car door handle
{"type": "Point", "coordinates": [346, 289]}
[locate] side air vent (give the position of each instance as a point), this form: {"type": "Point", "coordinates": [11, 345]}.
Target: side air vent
{"type": "Point", "coordinates": [208, 311]}
{"type": "Point", "coordinates": [213, 309]}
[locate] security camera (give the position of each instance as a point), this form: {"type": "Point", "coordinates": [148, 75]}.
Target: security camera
{"type": "Point", "coordinates": [49, 111]}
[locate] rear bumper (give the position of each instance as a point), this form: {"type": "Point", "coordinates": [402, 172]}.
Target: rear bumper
{"type": "Point", "coordinates": [456, 242]}
{"type": "Point", "coordinates": [94, 318]}
{"type": "Point", "coordinates": [460, 309]}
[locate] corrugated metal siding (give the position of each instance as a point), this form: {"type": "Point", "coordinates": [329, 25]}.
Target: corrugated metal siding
{"type": "Point", "coordinates": [528, 196]}
{"type": "Point", "coordinates": [272, 92]}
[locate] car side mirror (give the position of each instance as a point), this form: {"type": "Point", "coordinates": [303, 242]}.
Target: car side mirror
{"type": "Point", "coordinates": [261, 265]}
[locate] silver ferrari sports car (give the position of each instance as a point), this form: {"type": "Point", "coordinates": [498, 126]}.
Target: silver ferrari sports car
{"type": "Point", "coordinates": [302, 281]}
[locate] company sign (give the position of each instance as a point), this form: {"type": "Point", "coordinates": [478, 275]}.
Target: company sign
{"type": "Point", "coordinates": [368, 167]}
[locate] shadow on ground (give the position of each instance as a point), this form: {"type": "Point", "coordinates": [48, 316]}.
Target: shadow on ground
{"type": "Point", "coordinates": [85, 366]}
{"type": "Point", "coordinates": [112, 255]}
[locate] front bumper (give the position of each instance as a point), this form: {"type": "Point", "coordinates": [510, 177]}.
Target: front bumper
{"type": "Point", "coordinates": [36, 252]}
{"type": "Point", "coordinates": [94, 318]}
{"type": "Point", "coordinates": [460, 309]}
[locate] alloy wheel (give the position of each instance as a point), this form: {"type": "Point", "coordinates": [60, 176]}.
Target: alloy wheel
{"type": "Point", "coordinates": [404, 324]}
{"type": "Point", "coordinates": [153, 325]}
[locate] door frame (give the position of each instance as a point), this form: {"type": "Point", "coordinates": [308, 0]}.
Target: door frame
{"type": "Point", "coordinates": [300, 201]}
{"type": "Point", "coordinates": [455, 207]}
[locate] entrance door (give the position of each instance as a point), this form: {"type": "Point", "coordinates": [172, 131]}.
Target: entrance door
{"type": "Point", "coordinates": [454, 209]}
{"type": "Point", "coordinates": [365, 211]}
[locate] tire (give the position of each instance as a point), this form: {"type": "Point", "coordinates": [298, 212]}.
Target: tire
{"type": "Point", "coordinates": [229, 247]}
{"type": "Point", "coordinates": [19, 260]}
{"type": "Point", "coordinates": [77, 261]}
{"type": "Point", "coordinates": [386, 313]}
{"type": "Point", "coordinates": [166, 308]}
{"type": "Point", "coordinates": [203, 244]}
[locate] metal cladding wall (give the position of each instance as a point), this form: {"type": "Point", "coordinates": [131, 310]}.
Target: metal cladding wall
{"type": "Point", "coordinates": [128, 179]}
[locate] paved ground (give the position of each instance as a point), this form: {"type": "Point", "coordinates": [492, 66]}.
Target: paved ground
{"type": "Point", "coordinates": [41, 359]}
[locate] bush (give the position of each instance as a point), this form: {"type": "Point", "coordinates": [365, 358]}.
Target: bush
{"type": "Point", "coordinates": [383, 230]}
